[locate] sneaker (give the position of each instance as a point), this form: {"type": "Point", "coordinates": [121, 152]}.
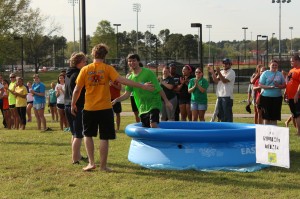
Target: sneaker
{"type": "Point", "coordinates": [47, 129]}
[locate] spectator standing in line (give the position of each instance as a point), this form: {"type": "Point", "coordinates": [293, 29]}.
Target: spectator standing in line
{"type": "Point", "coordinates": [252, 93]}
{"type": "Point", "coordinates": [60, 95]}
{"type": "Point", "coordinates": [225, 82]}
{"type": "Point", "coordinates": [12, 101]}
{"type": "Point", "coordinates": [29, 99]}
{"type": "Point", "coordinates": [176, 78]}
{"type": "Point", "coordinates": [257, 91]}
{"type": "Point", "coordinates": [167, 83]}
{"type": "Point", "coordinates": [184, 95]}
{"type": "Point", "coordinates": [1, 105]}
{"type": "Point", "coordinates": [115, 92]}
{"type": "Point", "coordinates": [98, 113]}
{"type": "Point", "coordinates": [149, 103]}
{"type": "Point", "coordinates": [293, 90]}
{"type": "Point", "coordinates": [39, 101]}
{"type": "Point", "coordinates": [6, 111]}
{"type": "Point", "coordinates": [271, 81]}
{"type": "Point", "coordinates": [198, 87]}
{"type": "Point", "coordinates": [77, 61]}
{"type": "Point", "coordinates": [52, 101]}
{"type": "Point", "coordinates": [21, 101]}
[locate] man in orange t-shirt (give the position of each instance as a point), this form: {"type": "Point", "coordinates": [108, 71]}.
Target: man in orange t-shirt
{"type": "Point", "coordinates": [293, 89]}
{"type": "Point", "coordinates": [97, 113]}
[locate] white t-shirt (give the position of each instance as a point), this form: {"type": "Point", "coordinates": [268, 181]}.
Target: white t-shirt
{"type": "Point", "coordinates": [226, 90]}
{"type": "Point", "coordinates": [61, 97]}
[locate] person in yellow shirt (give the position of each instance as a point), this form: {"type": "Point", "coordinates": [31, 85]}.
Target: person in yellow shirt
{"type": "Point", "coordinates": [21, 101]}
{"type": "Point", "coordinates": [12, 100]}
{"type": "Point", "coordinates": [97, 111]}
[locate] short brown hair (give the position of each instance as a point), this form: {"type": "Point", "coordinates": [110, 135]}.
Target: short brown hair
{"type": "Point", "coordinates": [100, 51]}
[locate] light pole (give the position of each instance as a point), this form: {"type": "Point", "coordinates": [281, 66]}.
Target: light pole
{"type": "Point", "coordinates": [209, 27]}
{"type": "Point", "coordinates": [117, 25]}
{"type": "Point", "coordinates": [272, 50]}
{"type": "Point", "coordinates": [245, 28]}
{"type": "Point", "coordinates": [72, 2]}
{"type": "Point", "coordinates": [200, 55]}
{"type": "Point", "coordinates": [257, 48]}
{"type": "Point", "coordinates": [267, 47]}
{"type": "Point", "coordinates": [150, 26]}
{"type": "Point", "coordinates": [137, 9]}
{"type": "Point", "coordinates": [22, 53]}
{"type": "Point", "coordinates": [291, 28]}
{"type": "Point", "coordinates": [279, 35]}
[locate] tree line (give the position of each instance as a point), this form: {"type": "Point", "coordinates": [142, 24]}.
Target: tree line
{"type": "Point", "coordinates": [22, 26]}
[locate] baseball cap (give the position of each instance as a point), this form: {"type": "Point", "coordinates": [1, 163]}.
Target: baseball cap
{"type": "Point", "coordinates": [226, 61]}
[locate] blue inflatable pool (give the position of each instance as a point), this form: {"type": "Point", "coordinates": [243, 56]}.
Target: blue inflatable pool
{"type": "Point", "coordinates": [194, 145]}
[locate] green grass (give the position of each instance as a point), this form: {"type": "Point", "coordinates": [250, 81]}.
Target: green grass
{"type": "Point", "coordinates": [38, 165]}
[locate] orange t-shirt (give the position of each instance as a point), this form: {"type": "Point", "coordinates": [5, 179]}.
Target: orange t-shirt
{"type": "Point", "coordinates": [95, 78]}
{"type": "Point", "coordinates": [292, 83]}
{"type": "Point", "coordinates": [114, 92]}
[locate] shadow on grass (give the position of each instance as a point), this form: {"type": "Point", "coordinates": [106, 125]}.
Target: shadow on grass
{"type": "Point", "coordinates": [34, 143]}
{"type": "Point", "coordinates": [277, 178]}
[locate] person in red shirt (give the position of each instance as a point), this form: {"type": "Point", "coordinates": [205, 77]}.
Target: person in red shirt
{"type": "Point", "coordinates": [115, 92]}
{"type": "Point", "coordinates": [293, 89]}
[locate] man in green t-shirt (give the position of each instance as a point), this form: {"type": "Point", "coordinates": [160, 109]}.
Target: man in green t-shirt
{"type": "Point", "coordinates": [148, 103]}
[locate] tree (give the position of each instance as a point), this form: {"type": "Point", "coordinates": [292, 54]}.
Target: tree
{"type": "Point", "coordinates": [105, 34]}
{"type": "Point", "coordinates": [37, 43]}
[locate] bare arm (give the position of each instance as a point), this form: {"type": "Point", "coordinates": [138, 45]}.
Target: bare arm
{"type": "Point", "coordinates": [123, 97]}
{"type": "Point", "coordinates": [167, 102]}
{"type": "Point", "coordinates": [128, 82]}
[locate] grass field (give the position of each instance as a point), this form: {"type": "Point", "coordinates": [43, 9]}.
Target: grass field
{"type": "Point", "coordinates": [38, 165]}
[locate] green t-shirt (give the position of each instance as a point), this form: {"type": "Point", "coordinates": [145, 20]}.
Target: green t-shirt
{"type": "Point", "coordinates": [197, 96]}
{"type": "Point", "coordinates": [145, 100]}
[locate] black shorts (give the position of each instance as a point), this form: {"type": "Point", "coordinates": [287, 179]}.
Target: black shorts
{"type": "Point", "coordinates": [12, 106]}
{"type": "Point", "coordinates": [117, 108]}
{"type": "Point", "coordinates": [52, 104]}
{"type": "Point", "coordinates": [133, 104]}
{"type": "Point", "coordinates": [102, 120]}
{"type": "Point", "coordinates": [75, 122]}
{"type": "Point", "coordinates": [271, 107]}
{"type": "Point", "coordinates": [31, 102]}
{"type": "Point", "coordinates": [184, 101]}
{"type": "Point", "coordinates": [295, 108]}
{"type": "Point", "coordinates": [60, 106]}
{"type": "Point", "coordinates": [150, 117]}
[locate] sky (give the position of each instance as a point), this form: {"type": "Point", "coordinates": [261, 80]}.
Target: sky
{"type": "Point", "coordinates": [227, 17]}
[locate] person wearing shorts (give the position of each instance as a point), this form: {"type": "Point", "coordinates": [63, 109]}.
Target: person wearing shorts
{"type": "Point", "coordinates": [198, 89]}
{"type": "Point", "coordinates": [148, 103]}
{"type": "Point", "coordinates": [97, 112]}
{"type": "Point", "coordinates": [115, 92]}
{"type": "Point", "coordinates": [12, 101]}
{"type": "Point", "coordinates": [39, 101]}
{"type": "Point", "coordinates": [77, 61]}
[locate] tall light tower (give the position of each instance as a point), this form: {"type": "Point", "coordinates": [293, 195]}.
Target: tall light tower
{"type": "Point", "coordinates": [137, 9]}
{"type": "Point", "coordinates": [279, 35]}
{"type": "Point", "coordinates": [150, 26]}
{"type": "Point", "coordinates": [245, 28]}
{"type": "Point", "coordinates": [291, 28]}
{"type": "Point", "coordinates": [117, 25]}
{"type": "Point", "coordinates": [72, 2]}
{"type": "Point", "coordinates": [272, 49]}
{"type": "Point", "coordinates": [209, 27]}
